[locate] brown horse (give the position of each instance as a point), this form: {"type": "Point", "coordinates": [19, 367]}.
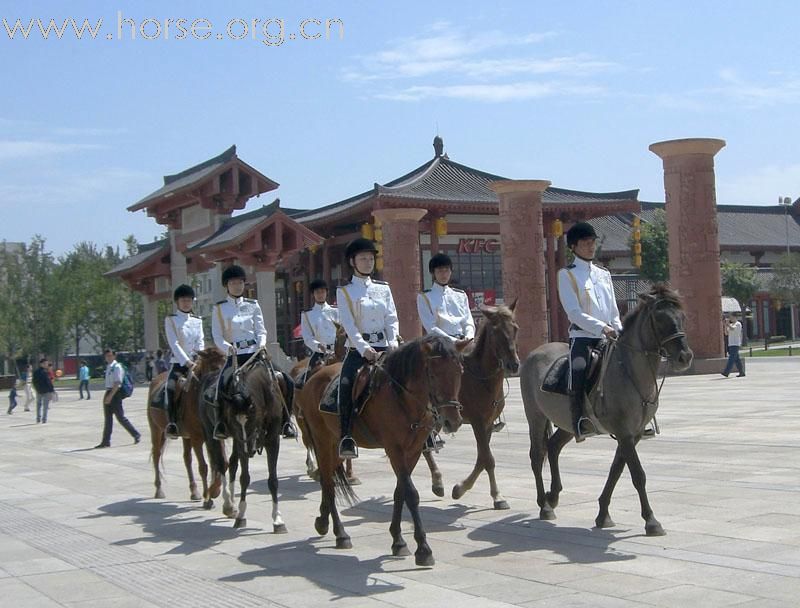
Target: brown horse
{"type": "Point", "coordinates": [493, 354]}
{"type": "Point", "coordinates": [624, 401]}
{"type": "Point", "coordinates": [416, 390]}
{"type": "Point", "coordinates": [189, 425]}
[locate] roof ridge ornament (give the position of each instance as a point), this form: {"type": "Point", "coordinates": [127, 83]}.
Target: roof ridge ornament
{"type": "Point", "coordinates": [438, 146]}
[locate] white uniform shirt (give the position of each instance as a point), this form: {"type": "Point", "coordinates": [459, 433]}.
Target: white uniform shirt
{"type": "Point", "coordinates": [114, 374]}
{"type": "Point", "coordinates": [735, 334]}
{"type": "Point", "coordinates": [444, 311]}
{"type": "Point", "coordinates": [317, 326]}
{"type": "Point", "coordinates": [184, 333]}
{"type": "Point", "coordinates": [593, 307]}
{"type": "Point", "coordinates": [374, 311]}
{"type": "Point", "coordinates": [238, 322]}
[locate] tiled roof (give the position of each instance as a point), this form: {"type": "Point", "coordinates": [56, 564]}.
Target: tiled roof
{"type": "Point", "coordinates": [146, 252]}
{"type": "Point", "coordinates": [238, 226]}
{"type": "Point", "coordinates": [191, 175]}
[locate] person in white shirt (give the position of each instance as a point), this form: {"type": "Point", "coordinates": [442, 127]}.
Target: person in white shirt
{"type": "Point", "coordinates": [184, 332]}
{"type": "Point", "coordinates": [237, 326]}
{"type": "Point", "coordinates": [112, 401]}
{"type": "Point", "coordinates": [369, 318]}
{"type": "Point", "coordinates": [318, 325]}
{"type": "Point", "coordinates": [444, 310]}
{"type": "Point", "coordinates": [587, 296]}
{"type": "Point", "coordinates": [733, 329]}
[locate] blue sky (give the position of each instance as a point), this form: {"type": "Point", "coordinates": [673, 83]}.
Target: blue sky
{"type": "Point", "coordinates": [572, 92]}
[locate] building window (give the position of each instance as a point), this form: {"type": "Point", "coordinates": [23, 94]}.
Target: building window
{"type": "Point", "coordinates": [478, 272]}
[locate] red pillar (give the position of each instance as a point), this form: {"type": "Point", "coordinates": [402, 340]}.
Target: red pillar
{"type": "Point", "coordinates": [401, 263]}
{"type": "Point", "coordinates": [522, 238]}
{"type": "Point", "coordinates": [552, 287]}
{"type": "Point", "coordinates": [693, 237]}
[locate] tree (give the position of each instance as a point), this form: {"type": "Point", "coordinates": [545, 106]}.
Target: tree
{"type": "Point", "coordinates": [785, 283]}
{"type": "Point", "coordinates": [655, 248]}
{"type": "Point", "coordinates": [739, 281]}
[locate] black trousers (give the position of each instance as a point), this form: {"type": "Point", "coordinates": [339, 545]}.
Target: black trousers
{"type": "Point", "coordinates": [352, 363]}
{"type": "Point", "coordinates": [240, 360]}
{"type": "Point", "coordinates": [579, 361]}
{"type": "Point", "coordinates": [115, 409]}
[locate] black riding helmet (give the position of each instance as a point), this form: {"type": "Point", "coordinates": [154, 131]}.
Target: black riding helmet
{"type": "Point", "coordinates": [232, 272]}
{"type": "Point", "coordinates": [580, 230]}
{"type": "Point", "coordinates": [440, 260]}
{"type": "Point", "coordinates": [358, 245]}
{"type": "Point", "coordinates": [183, 291]}
{"type": "Point", "coordinates": [317, 284]}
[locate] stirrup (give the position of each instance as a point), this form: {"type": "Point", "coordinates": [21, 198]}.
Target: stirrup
{"type": "Point", "coordinates": [498, 426]}
{"type": "Point", "coordinates": [585, 429]}
{"type": "Point", "coordinates": [220, 432]}
{"type": "Point", "coordinates": [172, 431]}
{"type": "Point", "coordinates": [289, 431]}
{"type": "Point", "coordinates": [433, 443]}
{"type": "Point", "coordinates": [348, 448]}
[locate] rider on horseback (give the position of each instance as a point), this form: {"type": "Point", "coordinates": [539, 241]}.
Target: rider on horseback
{"type": "Point", "coordinates": [238, 329]}
{"type": "Point", "coordinates": [184, 331]}
{"type": "Point", "coordinates": [369, 318]}
{"type": "Point", "coordinates": [587, 296]}
{"type": "Point", "coordinates": [318, 325]}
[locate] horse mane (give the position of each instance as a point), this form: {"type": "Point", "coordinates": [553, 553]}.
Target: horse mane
{"type": "Point", "coordinates": [483, 330]}
{"type": "Point", "coordinates": [209, 359]}
{"type": "Point", "coordinates": [660, 292]}
{"type": "Point", "coordinates": [406, 362]}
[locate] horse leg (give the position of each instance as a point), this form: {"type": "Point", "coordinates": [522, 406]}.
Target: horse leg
{"type": "Point", "coordinates": [423, 556]}
{"type": "Point", "coordinates": [187, 461]}
{"type": "Point", "coordinates": [603, 519]}
{"type": "Point", "coordinates": [537, 431]}
{"type": "Point", "coordinates": [227, 487]}
{"type": "Point", "coordinates": [437, 484]}
{"type": "Point", "coordinates": [326, 463]}
{"type": "Point", "coordinates": [202, 466]}
{"type": "Point", "coordinates": [399, 546]}
{"type": "Point", "coordinates": [157, 441]}
{"type": "Point", "coordinates": [244, 483]}
{"type": "Point", "coordinates": [311, 466]}
{"type": "Point", "coordinates": [485, 454]}
{"type": "Point", "coordinates": [628, 445]}
{"type": "Point", "coordinates": [462, 488]}
{"type": "Point", "coordinates": [273, 448]}
{"type": "Point", "coordinates": [348, 469]}
{"type": "Point", "coordinates": [554, 446]}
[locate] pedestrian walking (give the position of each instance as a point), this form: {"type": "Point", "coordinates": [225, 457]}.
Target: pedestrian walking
{"type": "Point", "coordinates": [83, 376]}
{"type": "Point", "coordinates": [733, 329]}
{"type": "Point", "coordinates": [45, 392]}
{"type": "Point", "coordinates": [28, 377]}
{"type": "Point", "coordinates": [112, 401]}
{"type": "Point", "coordinates": [12, 399]}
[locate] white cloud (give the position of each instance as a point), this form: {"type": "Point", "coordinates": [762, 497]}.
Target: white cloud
{"type": "Point", "coordinates": [19, 149]}
{"type": "Point", "coordinates": [88, 131]}
{"type": "Point", "coordinates": [516, 91]}
{"type": "Point", "coordinates": [762, 186]}
{"type": "Point", "coordinates": [783, 89]}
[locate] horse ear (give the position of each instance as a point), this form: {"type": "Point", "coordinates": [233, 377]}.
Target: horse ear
{"type": "Point", "coordinates": [426, 348]}
{"type": "Point", "coordinates": [462, 344]}
{"type": "Point", "coordinates": [513, 304]}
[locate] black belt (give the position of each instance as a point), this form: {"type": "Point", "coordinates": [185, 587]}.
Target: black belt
{"type": "Point", "coordinates": [457, 336]}
{"type": "Point", "coordinates": [245, 343]}
{"type": "Point", "coordinates": [373, 337]}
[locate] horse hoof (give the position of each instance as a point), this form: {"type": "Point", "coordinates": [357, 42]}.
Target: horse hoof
{"type": "Point", "coordinates": [208, 504]}
{"type": "Point", "coordinates": [195, 498]}
{"type": "Point", "coordinates": [215, 492]}
{"type": "Point", "coordinates": [229, 512]}
{"type": "Point", "coordinates": [458, 492]}
{"type": "Point", "coordinates": [344, 543]}
{"type": "Point", "coordinates": [279, 529]}
{"type": "Point", "coordinates": [400, 550]}
{"type": "Point", "coordinates": [547, 514]}
{"type": "Point", "coordinates": [551, 499]}
{"type": "Point", "coordinates": [438, 490]}
{"type": "Point", "coordinates": [240, 522]}
{"type": "Point", "coordinates": [604, 522]}
{"type": "Point", "coordinates": [424, 560]}
{"type": "Point", "coordinates": [321, 525]}
{"type": "Point", "coordinates": [160, 493]}
{"type": "Point", "coordinates": [654, 529]}
{"type": "Point", "coordinates": [354, 481]}
{"type": "Point", "coordinates": [501, 505]}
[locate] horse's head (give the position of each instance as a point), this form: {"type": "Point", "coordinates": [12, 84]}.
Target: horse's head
{"type": "Point", "coordinates": [443, 369]}
{"type": "Point", "coordinates": [662, 329]}
{"type": "Point", "coordinates": [209, 360]}
{"type": "Point", "coordinates": [501, 334]}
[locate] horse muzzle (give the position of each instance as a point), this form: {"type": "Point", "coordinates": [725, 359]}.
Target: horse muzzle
{"type": "Point", "coordinates": [450, 413]}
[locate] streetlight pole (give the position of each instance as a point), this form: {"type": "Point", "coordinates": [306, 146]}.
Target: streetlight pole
{"type": "Point", "coordinates": [786, 201]}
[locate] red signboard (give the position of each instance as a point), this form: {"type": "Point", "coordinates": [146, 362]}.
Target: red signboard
{"type": "Point", "coordinates": [479, 298]}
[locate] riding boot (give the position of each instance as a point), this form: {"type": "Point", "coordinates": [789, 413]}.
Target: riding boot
{"type": "Point", "coordinates": [172, 427]}
{"type": "Point", "coordinates": [582, 426]}
{"type": "Point", "coordinates": [220, 430]}
{"type": "Point", "coordinates": [288, 430]}
{"type": "Point", "coordinates": [347, 446]}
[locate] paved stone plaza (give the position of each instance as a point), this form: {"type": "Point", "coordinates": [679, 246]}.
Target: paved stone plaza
{"type": "Point", "coordinates": [79, 527]}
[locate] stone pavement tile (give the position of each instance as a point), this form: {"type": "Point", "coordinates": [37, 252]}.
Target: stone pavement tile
{"type": "Point", "coordinates": [644, 565]}
{"type": "Point", "coordinates": [756, 584]}
{"type": "Point", "coordinates": [37, 566]}
{"type": "Point", "coordinates": [515, 591]}
{"type": "Point", "coordinates": [112, 602]}
{"type": "Point", "coordinates": [15, 592]}
{"type": "Point", "coordinates": [583, 600]}
{"type": "Point", "coordinates": [762, 603]}
{"type": "Point", "coordinates": [738, 547]}
{"type": "Point", "coordinates": [74, 586]}
{"type": "Point", "coordinates": [692, 595]}
{"type": "Point", "coordinates": [617, 584]}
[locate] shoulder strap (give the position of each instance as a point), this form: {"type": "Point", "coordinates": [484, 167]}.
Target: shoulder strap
{"type": "Point", "coordinates": [310, 326]}
{"type": "Point", "coordinates": [435, 313]}
{"type": "Point", "coordinates": [575, 288]}
{"type": "Point", "coordinates": [352, 310]}
{"type": "Point", "coordinates": [225, 330]}
{"type": "Point", "coordinates": [178, 334]}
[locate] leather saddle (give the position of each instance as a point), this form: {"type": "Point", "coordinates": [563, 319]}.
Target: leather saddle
{"type": "Point", "coordinates": [159, 400]}
{"type": "Point", "coordinates": [362, 386]}
{"type": "Point", "coordinates": [556, 380]}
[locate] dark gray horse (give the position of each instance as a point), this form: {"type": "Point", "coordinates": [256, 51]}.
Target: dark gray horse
{"type": "Point", "coordinates": [628, 402]}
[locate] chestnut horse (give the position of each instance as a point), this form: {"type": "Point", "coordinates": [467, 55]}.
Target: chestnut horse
{"type": "Point", "coordinates": [189, 425]}
{"type": "Point", "coordinates": [492, 355]}
{"type": "Point", "coordinates": [415, 390]}
{"type": "Point", "coordinates": [625, 399]}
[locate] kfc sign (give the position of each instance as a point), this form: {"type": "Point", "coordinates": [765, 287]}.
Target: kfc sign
{"type": "Point", "coordinates": [478, 245]}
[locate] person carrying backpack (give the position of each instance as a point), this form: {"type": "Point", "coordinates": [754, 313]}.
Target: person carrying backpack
{"type": "Point", "coordinates": [112, 400]}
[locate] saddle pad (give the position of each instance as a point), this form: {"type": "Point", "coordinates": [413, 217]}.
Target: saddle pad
{"type": "Point", "coordinates": [556, 380]}
{"type": "Point", "coordinates": [157, 399]}
{"type": "Point", "coordinates": [329, 404]}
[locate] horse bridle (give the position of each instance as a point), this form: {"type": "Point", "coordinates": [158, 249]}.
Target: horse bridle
{"type": "Point", "coordinates": [662, 342]}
